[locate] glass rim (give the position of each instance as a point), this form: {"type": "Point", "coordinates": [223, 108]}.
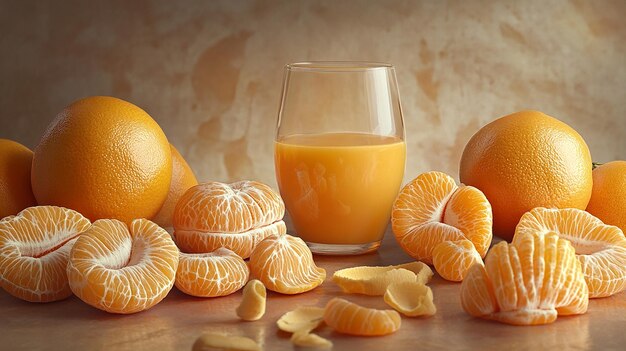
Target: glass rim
{"type": "Point", "coordinates": [337, 66]}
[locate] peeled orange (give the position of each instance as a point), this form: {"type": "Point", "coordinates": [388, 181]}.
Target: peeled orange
{"type": "Point", "coordinates": [236, 216]}
{"type": "Point", "coordinates": [285, 264]}
{"type": "Point", "coordinates": [432, 209]}
{"type": "Point", "coordinates": [122, 268]}
{"type": "Point", "coordinates": [528, 282]}
{"type": "Point", "coordinates": [600, 248]}
{"type": "Point", "coordinates": [34, 252]}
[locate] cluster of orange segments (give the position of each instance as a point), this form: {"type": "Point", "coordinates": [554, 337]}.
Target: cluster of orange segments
{"type": "Point", "coordinates": [47, 253]}
{"type": "Point", "coordinates": [97, 246]}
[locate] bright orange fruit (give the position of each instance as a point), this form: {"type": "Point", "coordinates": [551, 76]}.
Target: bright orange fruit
{"type": "Point", "coordinates": [431, 209]}
{"type": "Point", "coordinates": [218, 273]}
{"type": "Point", "coordinates": [526, 160]}
{"type": "Point", "coordinates": [34, 251]}
{"type": "Point", "coordinates": [609, 193]}
{"type": "Point", "coordinates": [123, 269]}
{"type": "Point", "coordinates": [236, 216]}
{"type": "Point", "coordinates": [105, 158]}
{"type": "Point", "coordinates": [600, 248]}
{"type": "Point", "coordinates": [15, 190]}
{"type": "Point", "coordinates": [349, 318]}
{"type": "Point", "coordinates": [453, 259]}
{"type": "Point", "coordinates": [182, 179]}
{"type": "Point", "coordinates": [285, 264]}
{"type": "Point", "coordinates": [528, 282]}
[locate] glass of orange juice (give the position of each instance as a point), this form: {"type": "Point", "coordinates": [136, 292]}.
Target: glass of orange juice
{"type": "Point", "coordinates": [339, 153]}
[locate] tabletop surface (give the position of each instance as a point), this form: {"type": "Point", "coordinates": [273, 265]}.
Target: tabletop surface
{"type": "Point", "coordinates": [179, 319]}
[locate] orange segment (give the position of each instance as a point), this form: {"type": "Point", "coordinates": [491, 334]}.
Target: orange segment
{"type": "Point", "coordinates": [120, 269]}
{"type": "Point", "coordinates": [34, 250]}
{"type": "Point", "coordinates": [453, 259]}
{"type": "Point", "coordinates": [469, 211]}
{"type": "Point", "coordinates": [237, 216]}
{"type": "Point", "coordinates": [600, 248]}
{"type": "Point", "coordinates": [528, 282]}
{"type": "Point", "coordinates": [431, 209]}
{"type": "Point", "coordinates": [285, 264]}
{"type": "Point", "coordinates": [218, 273]}
{"type": "Point", "coordinates": [373, 281]}
{"type": "Point", "coordinates": [349, 318]}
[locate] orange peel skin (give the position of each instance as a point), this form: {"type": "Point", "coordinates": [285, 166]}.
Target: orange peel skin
{"type": "Point", "coordinates": [412, 299]}
{"type": "Point", "coordinates": [218, 341]}
{"type": "Point", "coordinates": [303, 318]}
{"type": "Point", "coordinates": [306, 339]}
{"type": "Point", "coordinates": [252, 305]}
{"type": "Point", "coordinates": [373, 281]}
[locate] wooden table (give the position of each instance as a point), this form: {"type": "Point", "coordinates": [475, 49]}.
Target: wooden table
{"type": "Point", "coordinates": [179, 319]}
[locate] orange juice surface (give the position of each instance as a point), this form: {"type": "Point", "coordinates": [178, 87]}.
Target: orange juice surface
{"type": "Point", "coordinates": [339, 187]}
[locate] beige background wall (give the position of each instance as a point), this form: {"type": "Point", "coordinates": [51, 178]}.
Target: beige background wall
{"type": "Point", "coordinates": [210, 71]}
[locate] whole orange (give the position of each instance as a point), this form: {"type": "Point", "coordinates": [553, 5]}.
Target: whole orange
{"type": "Point", "coordinates": [105, 158]}
{"type": "Point", "coordinates": [15, 190]}
{"type": "Point", "coordinates": [526, 160]}
{"type": "Point", "coordinates": [608, 197]}
{"type": "Point", "coordinates": [182, 179]}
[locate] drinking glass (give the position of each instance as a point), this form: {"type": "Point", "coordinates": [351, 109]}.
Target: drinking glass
{"type": "Point", "coordinates": [339, 153]}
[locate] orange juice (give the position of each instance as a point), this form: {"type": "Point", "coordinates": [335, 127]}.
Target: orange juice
{"type": "Point", "coordinates": [339, 187]}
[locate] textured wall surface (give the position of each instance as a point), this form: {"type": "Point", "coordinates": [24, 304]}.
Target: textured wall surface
{"type": "Point", "coordinates": [210, 72]}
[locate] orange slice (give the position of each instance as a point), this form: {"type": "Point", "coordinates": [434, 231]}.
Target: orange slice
{"type": "Point", "coordinates": [373, 281]}
{"type": "Point", "coordinates": [34, 250]}
{"type": "Point", "coordinates": [432, 209]}
{"type": "Point", "coordinates": [252, 306]}
{"type": "Point", "coordinates": [285, 264]}
{"type": "Point", "coordinates": [600, 248]}
{"type": "Point", "coordinates": [120, 269]}
{"type": "Point", "coordinates": [216, 341]}
{"type": "Point", "coordinates": [453, 259]}
{"type": "Point", "coordinates": [349, 318]}
{"type": "Point", "coordinates": [236, 216]}
{"type": "Point", "coordinates": [528, 282]}
{"type": "Point", "coordinates": [218, 273]}
{"type": "Point", "coordinates": [412, 299]}
{"type": "Point", "coordinates": [303, 318]}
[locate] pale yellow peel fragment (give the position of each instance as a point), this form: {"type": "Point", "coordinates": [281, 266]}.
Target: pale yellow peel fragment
{"type": "Point", "coordinates": [372, 280]}
{"type": "Point", "coordinates": [252, 305]}
{"type": "Point", "coordinates": [304, 318]}
{"type": "Point", "coordinates": [216, 341]}
{"type": "Point", "coordinates": [411, 299]}
{"type": "Point", "coordinates": [305, 339]}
